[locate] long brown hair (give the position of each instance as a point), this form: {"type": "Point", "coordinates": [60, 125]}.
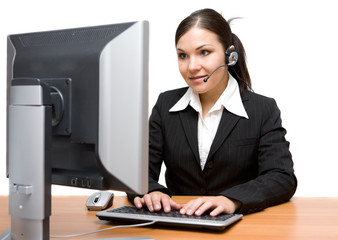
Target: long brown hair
{"type": "Point", "coordinates": [213, 21]}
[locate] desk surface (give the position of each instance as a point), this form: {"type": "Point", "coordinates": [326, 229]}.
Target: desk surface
{"type": "Point", "coordinates": [300, 218]}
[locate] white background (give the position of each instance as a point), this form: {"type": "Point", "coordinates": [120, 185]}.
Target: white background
{"type": "Point", "coordinates": [292, 49]}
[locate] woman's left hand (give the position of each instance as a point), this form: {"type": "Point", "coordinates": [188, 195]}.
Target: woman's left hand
{"type": "Point", "coordinates": [218, 205]}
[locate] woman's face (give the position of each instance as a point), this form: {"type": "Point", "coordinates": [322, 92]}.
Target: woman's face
{"type": "Point", "coordinates": [199, 53]}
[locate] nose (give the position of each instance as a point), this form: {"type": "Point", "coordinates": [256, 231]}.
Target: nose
{"type": "Point", "coordinates": [194, 64]}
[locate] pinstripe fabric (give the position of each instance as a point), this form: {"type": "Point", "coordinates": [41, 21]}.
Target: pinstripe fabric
{"type": "Point", "coordinates": [249, 159]}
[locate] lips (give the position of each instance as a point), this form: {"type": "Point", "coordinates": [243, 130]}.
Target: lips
{"type": "Point", "coordinates": [197, 78]}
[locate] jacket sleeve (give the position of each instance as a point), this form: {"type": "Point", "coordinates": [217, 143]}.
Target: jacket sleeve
{"type": "Point", "coordinates": [156, 144]}
{"type": "Point", "coordinates": [276, 181]}
{"type": "Point", "coordinates": [156, 148]}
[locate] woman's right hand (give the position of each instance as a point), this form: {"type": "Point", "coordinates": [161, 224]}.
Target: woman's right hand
{"type": "Point", "coordinates": [156, 201]}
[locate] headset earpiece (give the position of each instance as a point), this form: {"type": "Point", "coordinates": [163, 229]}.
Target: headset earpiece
{"type": "Point", "coordinates": [231, 56]}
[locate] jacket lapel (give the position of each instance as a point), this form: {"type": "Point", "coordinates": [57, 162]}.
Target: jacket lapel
{"type": "Point", "coordinates": [227, 123]}
{"type": "Point", "coordinates": [189, 119]}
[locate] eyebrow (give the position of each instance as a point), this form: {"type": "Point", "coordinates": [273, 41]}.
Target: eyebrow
{"type": "Point", "coordinates": [181, 50]}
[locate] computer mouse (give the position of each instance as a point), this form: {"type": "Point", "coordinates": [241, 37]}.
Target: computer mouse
{"type": "Point", "coordinates": [100, 200]}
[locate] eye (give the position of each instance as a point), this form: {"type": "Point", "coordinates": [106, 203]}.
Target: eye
{"type": "Point", "coordinates": [182, 55]}
{"type": "Point", "coordinates": [205, 52]}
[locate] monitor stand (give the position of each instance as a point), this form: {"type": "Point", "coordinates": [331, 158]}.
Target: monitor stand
{"type": "Point", "coordinates": [28, 166]}
{"type": "Point", "coordinates": [29, 140]}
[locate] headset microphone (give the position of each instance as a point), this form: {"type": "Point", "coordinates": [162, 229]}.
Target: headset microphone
{"type": "Point", "coordinates": [207, 78]}
{"type": "Point", "coordinates": [231, 57]}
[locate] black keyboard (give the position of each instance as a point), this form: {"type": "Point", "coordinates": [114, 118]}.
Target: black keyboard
{"type": "Point", "coordinates": [173, 218]}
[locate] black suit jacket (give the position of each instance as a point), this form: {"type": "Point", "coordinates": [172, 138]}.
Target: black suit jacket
{"type": "Point", "coordinates": [249, 159]}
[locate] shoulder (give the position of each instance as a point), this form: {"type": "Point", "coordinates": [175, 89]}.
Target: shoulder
{"type": "Point", "coordinates": [169, 98]}
{"type": "Point", "coordinates": [179, 92]}
{"type": "Point", "coordinates": [166, 100]}
{"type": "Point", "coordinates": [255, 103]}
{"type": "Point", "coordinates": [255, 98]}
{"type": "Point", "coordinates": [252, 96]}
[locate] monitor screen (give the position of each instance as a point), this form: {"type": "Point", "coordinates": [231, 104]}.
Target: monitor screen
{"type": "Point", "coordinates": [98, 84]}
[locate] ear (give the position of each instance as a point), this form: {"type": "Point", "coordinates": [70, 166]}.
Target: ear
{"type": "Point", "coordinates": [231, 48]}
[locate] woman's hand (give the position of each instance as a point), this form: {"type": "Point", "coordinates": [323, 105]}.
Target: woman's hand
{"type": "Point", "coordinates": [155, 201]}
{"type": "Point", "coordinates": [218, 205]}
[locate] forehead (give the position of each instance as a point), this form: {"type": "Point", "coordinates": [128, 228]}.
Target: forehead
{"type": "Point", "coordinates": [196, 37]}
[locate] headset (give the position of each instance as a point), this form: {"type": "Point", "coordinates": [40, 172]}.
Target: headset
{"type": "Point", "coordinates": [231, 56]}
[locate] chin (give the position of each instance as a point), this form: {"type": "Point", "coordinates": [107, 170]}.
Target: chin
{"type": "Point", "coordinates": [199, 89]}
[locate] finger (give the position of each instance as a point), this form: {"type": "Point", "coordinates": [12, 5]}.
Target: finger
{"type": "Point", "coordinates": [217, 211]}
{"type": "Point", "coordinates": [148, 202]}
{"type": "Point", "coordinates": [192, 206]}
{"type": "Point", "coordinates": [175, 205]}
{"type": "Point", "coordinates": [203, 208]}
{"type": "Point", "coordinates": [156, 200]}
{"type": "Point", "coordinates": [183, 209]}
{"type": "Point", "coordinates": [138, 202]}
{"type": "Point", "coordinates": [166, 204]}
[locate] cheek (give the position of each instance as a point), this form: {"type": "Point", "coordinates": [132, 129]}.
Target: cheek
{"type": "Point", "coordinates": [182, 68]}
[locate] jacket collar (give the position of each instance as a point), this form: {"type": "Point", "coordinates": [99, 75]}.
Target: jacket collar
{"type": "Point", "coordinates": [230, 99]}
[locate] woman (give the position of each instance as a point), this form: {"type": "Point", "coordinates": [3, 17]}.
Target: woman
{"type": "Point", "coordinates": [218, 139]}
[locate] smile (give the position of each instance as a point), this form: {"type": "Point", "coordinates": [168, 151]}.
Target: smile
{"type": "Point", "coordinates": [197, 78]}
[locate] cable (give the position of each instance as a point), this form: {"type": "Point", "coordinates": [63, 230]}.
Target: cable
{"type": "Point", "coordinates": [238, 78]}
{"type": "Point", "coordinates": [6, 234]}
{"type": "Point", "coordinates": [106, 229]}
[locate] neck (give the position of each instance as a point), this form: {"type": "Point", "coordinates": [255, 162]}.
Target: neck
{"type": "Point", "coordinates": [209, 98]}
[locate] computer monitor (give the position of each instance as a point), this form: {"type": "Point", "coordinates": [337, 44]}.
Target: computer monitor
{"type": "Point", "coordinates": [91, 86]}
